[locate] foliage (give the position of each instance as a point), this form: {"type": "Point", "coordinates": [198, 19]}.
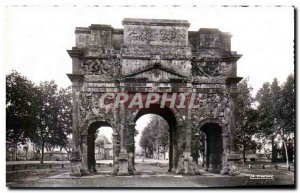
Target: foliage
{"type": "Point", "coordinates": [52, 116]}
{"type": "Point", "coordinates": [19, 99]}
{"type": "Point", "coordinates": [39, 112]}
{"type": "Point", "coordinates": [277, 110]}
{"type": "Point", "coordinates": [100, 141]}
{"type": "Point", "coordinates": [155, 135]}
{"type": "Point", "coordinates": [265, 108]}
{"type": "Point", "coordinates": [286, 112]}
{"type": "Point", "coordinates": [247, 124]}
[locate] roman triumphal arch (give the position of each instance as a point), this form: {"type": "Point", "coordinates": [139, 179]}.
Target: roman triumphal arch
{"type": "Point", "coordinates": [159, 67]}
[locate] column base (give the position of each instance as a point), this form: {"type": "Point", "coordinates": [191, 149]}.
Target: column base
{"type": "Point", "coordinates": [230, 167]}
{"type": "Point", "coordinates": [116, 166]}
{"type": "Point", "coordinates": [131, 169]}
{"type": "Point", "coordinates": [188, 167]}
{"type": "Point", "coordinates": [123, 164]}
{"type": "Point", "coordinates": [75, 169]}
{"type": "Point", "coordinates": [75, 163]}
{"type": "Point", "coordinates": [84, 172]}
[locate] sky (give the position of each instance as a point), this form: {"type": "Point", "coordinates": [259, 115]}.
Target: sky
{"type": "Point", "coordinates": [36, 37]}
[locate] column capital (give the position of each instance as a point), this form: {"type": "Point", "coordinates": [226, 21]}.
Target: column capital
{"type": "Point", "coordinates": [233, 80]}
{"type": "Point", "coordinates": [76, 79]}
{"type": "Point", "coordinates": [75, 52]}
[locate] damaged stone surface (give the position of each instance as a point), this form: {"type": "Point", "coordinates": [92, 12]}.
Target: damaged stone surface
{"type": "Point", "coordinates": [159, 56]}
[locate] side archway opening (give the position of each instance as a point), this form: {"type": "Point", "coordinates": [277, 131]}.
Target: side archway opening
{"type": "Point", "coordinates": [99, 146]}
{"type": "Point", "coordinates": [213, 146]}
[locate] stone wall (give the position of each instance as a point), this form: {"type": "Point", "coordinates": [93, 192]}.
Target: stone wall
{"type": "Point", "coordinates": [154, 56]}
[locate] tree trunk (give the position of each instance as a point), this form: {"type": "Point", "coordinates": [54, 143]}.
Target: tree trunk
{"type": "Point", "coordinates": [286, 153]}
{"type": "Point", "coordinates": [26, 151]}
{"type": "Point", "coordinates": [16, 151]}
{"type": "Point", "coordinates": [244, 154]}
{"type": "Point", "coordinates": [273, 149]}
{"type": "Point", "coordinates": [285, 148]}
{"type": "Point", "coordinates": [42, 155]}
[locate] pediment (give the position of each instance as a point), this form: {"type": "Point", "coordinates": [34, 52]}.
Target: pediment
{"type": "Point", "coordinates": [155, 73]}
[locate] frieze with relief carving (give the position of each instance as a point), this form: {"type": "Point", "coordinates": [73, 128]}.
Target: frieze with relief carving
{"type": "Point", "coordinates": [96, 66]}
{"type": "Point", "coordinates": [212, 105]}
{"type": "Point", "coordinates": [209, 68]}
{"type": "Point", "coordinates": [90, 107]}
{"type": "Point", "coordinates": [163, 35]}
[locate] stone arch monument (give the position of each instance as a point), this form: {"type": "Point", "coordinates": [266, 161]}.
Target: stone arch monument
{"type": "Point", "coordinates": [162, 62]}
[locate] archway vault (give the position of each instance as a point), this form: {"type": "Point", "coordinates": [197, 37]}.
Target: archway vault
{"type": "Point", "coordinates": [152, 56]}
{"type": "Point", "coordinates": [96, 122]}
{"type": "Point", "coordinates": [210, 120]}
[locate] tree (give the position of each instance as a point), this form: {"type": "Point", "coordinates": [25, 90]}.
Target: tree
{"type": "Point", "coordinates": [51, 116]}
{"type": "Point", "coordinates": [100, 143]}
{"type": "Point", "coordinates": [246, 118]}
{"type": "Point", "coordinates": [162, 137]}
{"type": "Point", "coordinates": [286, 113]}
{"type": "Point", "coordinates": [41, 113]}
{"type": "Point", "coordinates": [155, 136]}
{"type": "Point", "coordinates": [266, 116]}
{"type": "Point", "coordinates": [101, 140]}
{"type": "Point", "coordinates": [64, 115]}
{"type": "Point", "coordinates": [19, 100]}
{"type": "Point", "coordinates": [277, 111]}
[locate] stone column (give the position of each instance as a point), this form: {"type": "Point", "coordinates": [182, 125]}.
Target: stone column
{"type": "Point", "coordinates": [226, 149]}
{"type": "Point", "coordinates": [91, 153]}
{"type": "Point", "coordinates": [232, 99]}
{"type": "Point", "coordinates": [116, 152]}
{"type": "Point", "coordinates": [76, 80]}
{"type": "Point", "coordinates": [131, 148]}
{"type": "Point", "coordinates": [206, 157]}
{"type": "Point", "coordinates": [233, 156]}
{"type": "Point", "coordinates": [123, 156]}
{"type": "Point", "coordinates": [170, 150]}
{"type": "Point", "coordinates": [175, 157]}
{"type": "Point", "coordinates": [190, 167]}
{"type": "Point", "coordinates": [84, 155]}
{"type": "Point", "coordinates": [75, 130]}
{"type": "Point", "coordinates": [233, 92]}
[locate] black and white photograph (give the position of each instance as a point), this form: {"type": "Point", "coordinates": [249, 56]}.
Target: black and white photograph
{"type": "Point", "coordinates": [142, 95]}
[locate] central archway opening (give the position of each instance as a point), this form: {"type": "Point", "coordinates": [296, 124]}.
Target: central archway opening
{"type": "Point", "coordinates": [156, 140]}
{"type": "Point", "coordinates": [152, 144]}
{"type": "Point", "coordinates": [100, 147]}
{"type": "Point", "coordinates": [213, 147]}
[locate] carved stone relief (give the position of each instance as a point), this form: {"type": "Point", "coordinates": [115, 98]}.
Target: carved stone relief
{"type": "Point", "coordinates": [90, 107]}
{"type": "Point", "coordinates": [148, 34]}
{"type": "Point", "coordinates": [209, 68]}
{"type": "Point", "coordinates": [96, 66]}
{"type": "Point", "coordinates": [212, 105]}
